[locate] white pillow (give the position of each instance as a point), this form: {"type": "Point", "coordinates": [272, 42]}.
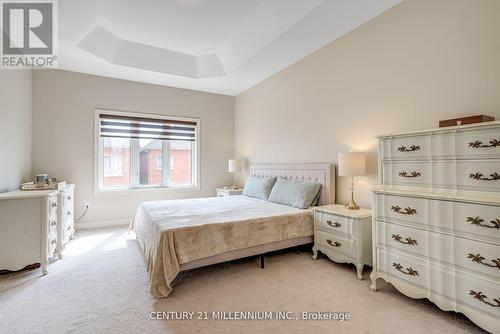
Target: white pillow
{"type": "Point", "coordinates": [299, 194]}
{"type": "Point", "coordinates": [259, 187]}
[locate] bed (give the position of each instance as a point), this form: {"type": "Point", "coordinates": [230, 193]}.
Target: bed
{"type": "Point", "coordinates": [177, 235]}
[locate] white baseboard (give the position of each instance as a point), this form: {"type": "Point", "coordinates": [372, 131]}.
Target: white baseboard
{"type": "Point", "coordinates": [103, 223]}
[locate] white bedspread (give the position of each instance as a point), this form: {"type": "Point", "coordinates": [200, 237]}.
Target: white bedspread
{"type": "Point", "coordinates": [174, 232]}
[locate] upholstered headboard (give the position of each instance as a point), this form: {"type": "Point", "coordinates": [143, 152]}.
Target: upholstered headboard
{"type": "Point", "coordinates": [322, 173]}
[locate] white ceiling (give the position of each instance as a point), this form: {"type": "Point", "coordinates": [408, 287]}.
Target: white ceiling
{"type": "Point", "coordinates": [220, 46]}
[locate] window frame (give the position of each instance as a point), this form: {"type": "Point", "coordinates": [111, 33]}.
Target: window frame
{"type": "Point", "coordinates": [98, 157]}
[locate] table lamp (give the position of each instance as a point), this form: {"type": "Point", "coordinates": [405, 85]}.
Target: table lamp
{"type": "Point", "coordinates": [234, 166]}
{"type": "Point", "coordinates": [352, 164]}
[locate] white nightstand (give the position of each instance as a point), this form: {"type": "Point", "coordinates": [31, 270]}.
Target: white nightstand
{"type": "Point", "coordinates": [221, 192]}
{"type": "Point", "coordinates": [343, 235]}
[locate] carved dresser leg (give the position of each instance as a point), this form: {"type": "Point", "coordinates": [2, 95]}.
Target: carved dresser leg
{"type": "Point", "coordinates": [373, 277]}
{"type": "Point", "coordinates": [359, 268]}
{"type": "Point", "coordinates": [315, 253]}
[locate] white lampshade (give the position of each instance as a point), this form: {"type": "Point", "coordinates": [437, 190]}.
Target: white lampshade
{"type": "Point", "coordinates": [352, 164]}
{"type": "Point", "coordinates": [235, 165]}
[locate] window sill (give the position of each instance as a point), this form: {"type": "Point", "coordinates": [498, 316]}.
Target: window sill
{"type": "Point", "coordinates": [145, 190]}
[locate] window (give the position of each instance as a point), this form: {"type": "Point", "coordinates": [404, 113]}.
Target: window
{"type": "Point", "coordinates": [113, 165]}
{"type": "Point", "coordinates": [136, 151]}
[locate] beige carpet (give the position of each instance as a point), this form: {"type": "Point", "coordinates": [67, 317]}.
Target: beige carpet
{"type": "Point", "coordinates": [100, 286]}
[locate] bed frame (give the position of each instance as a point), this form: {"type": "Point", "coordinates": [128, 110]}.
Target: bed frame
{"type": "Point", "coordinates": [322, 173]}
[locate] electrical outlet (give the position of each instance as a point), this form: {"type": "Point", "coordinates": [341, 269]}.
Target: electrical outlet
{"type": "Point", "coordinates": [87, 205]}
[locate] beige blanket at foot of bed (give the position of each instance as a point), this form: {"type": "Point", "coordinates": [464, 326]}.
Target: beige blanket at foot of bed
{"type": "Point", "coordinates": [175, 232]}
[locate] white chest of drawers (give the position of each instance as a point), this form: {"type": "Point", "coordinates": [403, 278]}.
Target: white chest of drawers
{"type": "Point", "coordinates": [28, 228]}
{"type": "Point", "coordinates": [343, 235]}
{"type": "Point", "coordinates": [436, 218]}
{"type": "Point", "coordinates": [66, 223]}
{"type": "Point", "coordinates": [35, 226]}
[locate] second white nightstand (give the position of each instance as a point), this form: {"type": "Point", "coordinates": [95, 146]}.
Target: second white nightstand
{"type": "Point", "coordinates": [343, 235]}
{"type": "Point", "coordinates": [221, 192]}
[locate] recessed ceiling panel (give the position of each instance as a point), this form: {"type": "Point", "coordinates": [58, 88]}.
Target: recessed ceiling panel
{"type": "Point", "coordinates": [221, 46]}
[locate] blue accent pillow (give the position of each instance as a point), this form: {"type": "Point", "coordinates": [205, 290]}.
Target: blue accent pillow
{"type": "Point", "coordinates": [299, 194]}
{"type": "Point", "coordinates": [259, 187]}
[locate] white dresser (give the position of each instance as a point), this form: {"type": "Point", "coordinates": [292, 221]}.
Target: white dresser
{"type": "Point", "coordinates": [436, 218]}
{"type": "Point", "coordinates": [28, 228]}
{"type": "Point", "coordinates": [34, 227]}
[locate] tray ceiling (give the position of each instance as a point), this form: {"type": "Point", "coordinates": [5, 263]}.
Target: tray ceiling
{"type": "Point", "coordinates": [220, 46]}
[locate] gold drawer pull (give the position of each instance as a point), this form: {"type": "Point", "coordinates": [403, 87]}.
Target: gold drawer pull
{"type": "Point", "coordinates": [479, 144]}
{"type": "Point", "coordinates": [412, 148]}
{"type": "Point", "coordinates": [407, 211]}
{"type": "Point", "coordinates": [410, 175]}
{"type": "Point", "coordinates": [333, 224]}
{"type": "Point", "coordinates": [479, 259]}
{"type": "Point", "coordinates": [479, 176]}
{"type": "Point", "coordinates": [478, 221]}
{"type": "Point", "coordinates": [409, 240]}
{"type": "Point", "coordinates": [409, 271]}
{"type": "Point", "coordinates": [482, 297]}
{"type": "Point", "coordinates": [334, 243]}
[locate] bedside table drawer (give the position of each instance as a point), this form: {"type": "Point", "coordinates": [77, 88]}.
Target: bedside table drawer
{"type": "Point", "coordinates": [335, 243]}
{"type": "Point", "coordinates": [331, 224]}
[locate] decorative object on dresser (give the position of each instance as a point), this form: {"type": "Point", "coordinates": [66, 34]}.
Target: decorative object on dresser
{"type": "Point", "coordinates": [352, 164]}
{"type": "Point", "coordinates": [437, 235]}
{"type": "Point", "coordinates": [33, 226]}
{"type": "Point", "coordinates": [343, 235]}
{"type": "Point", "coordinates": [222, 192]}
{"type": "Point", "coordinates": [465, 120]}
{"type": "Point", "coordinates": [234, 166]}
{"type": "Point", "coordinates": [49, 184]}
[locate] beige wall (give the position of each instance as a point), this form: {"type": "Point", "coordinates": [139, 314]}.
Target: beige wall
{"type": "Point", "coordinates": [63, 134]}
{"type": "Point", "coordinates": [419, 62]}
{"type": "Point", "coordinates": [15, 128]}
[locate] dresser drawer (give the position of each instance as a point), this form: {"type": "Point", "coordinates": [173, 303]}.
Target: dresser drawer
{"type": "Point", "coordinates": [331, 223]}
{"type": "Point", "coordinates": [409, 269]}
{"type": "Point", "coordinates": [53, 205]}
{"type": "Point", "coordinates": [52, 244]}
{"type": "Point", "coordinates": [479, 175]}
{"type": "Point", "coordinates": [484, 258]}
{"type": "Point", "coordinates": [462, 144]}
{"type": "Point", "coordinates": [442, 280]}
{"type": "Point", "coordinates": [53, 225]}
{"type": "Point", "coordinates": [335, 243]}
{"type": "Point", "coordinates": [402, 209]}
{"type": "Point", "coordinates": [407, 173]}
{"type": "Point", "coordinates": [407, 148]}
{"type": "Point", "coordinates": [461, 219]}
{"type": "Point", "coordinates": [478, 143]}
{"type": "Point", "coordinates": [478, 293]}
{"type": "Point", "coordinates": [67, 234]}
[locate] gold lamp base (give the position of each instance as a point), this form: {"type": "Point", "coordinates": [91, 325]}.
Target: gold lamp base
{"type": "Point", "coordinates": [352, 204]}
